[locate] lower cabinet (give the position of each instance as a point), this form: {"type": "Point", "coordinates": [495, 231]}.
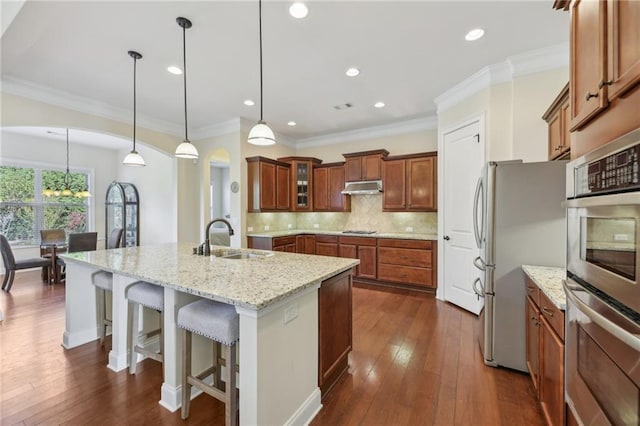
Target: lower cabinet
{"type": "Point", "coordinates": [327, 245]}
{"type": "Point", "coordinates": [362, 248]}
{"type": "Point", "coordinates": [335, 329]}
{"type": "Point", "coordinates": [545, 353]}
{"type": "Point", "coordinates": [406, 262]}
{"type": "Point", "coordinates": [306, 244]}
{"type": "Point", "coordinates": [287, 244]}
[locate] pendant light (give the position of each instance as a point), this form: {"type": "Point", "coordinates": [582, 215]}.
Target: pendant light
{"type": "Point", "coordinates": [133, 158]}
{"type": "Point", "coordinates": [186, 149]}
{"type": "Point", "coordinates": [261, 134]}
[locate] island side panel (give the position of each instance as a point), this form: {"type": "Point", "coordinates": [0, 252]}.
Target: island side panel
{"type": "Point", "coordinates": [81, 324]}
{"type": "Point", "coordinates": [279, 361]}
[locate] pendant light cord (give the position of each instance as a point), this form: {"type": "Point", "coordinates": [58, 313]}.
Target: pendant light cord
{"type": "Point", "coordinates": [260, 29]}
{"type": "Point", "coordinates": [66, 177]}
{"type": "Point", "coordinates": [135, 61]}
{"type": "Point", "coordinates": [184, 74]}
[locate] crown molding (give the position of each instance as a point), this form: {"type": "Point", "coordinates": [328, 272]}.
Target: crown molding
{"type": "Point", "coordinates": [82, 104]}
{"type": "Point", "coordinates": [514, 66]}
{"type": "Point", "coordinates": [407, 126]}
{"type": "Point", "coordinates": [218, 129]}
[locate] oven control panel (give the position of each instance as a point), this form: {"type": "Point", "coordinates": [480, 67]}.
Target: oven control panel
{"type": "Point", "coordinates": [615, 172]}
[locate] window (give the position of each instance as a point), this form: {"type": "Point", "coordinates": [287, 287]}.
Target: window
{"type": "Point", "coordinates": [24, 211]}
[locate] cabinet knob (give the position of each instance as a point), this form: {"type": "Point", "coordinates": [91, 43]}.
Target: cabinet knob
{"type": "Point", "coordinates": [590, 95]}
{"type": "Point", "coordinates": [604, 83]}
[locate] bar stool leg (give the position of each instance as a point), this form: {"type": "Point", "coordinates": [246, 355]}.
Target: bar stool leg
{"type": "Point", "coordinates": [217, 376]}
{"type": "Point", "coordinates": [186, 372]}
{"type": "Point", "coordinates": [134, 337]}
{"type": "Point", "coordinates": [100, 302]}
{"type": "Point", "coordinates": [231, 396]}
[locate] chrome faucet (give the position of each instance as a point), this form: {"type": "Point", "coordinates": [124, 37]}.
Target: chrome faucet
{"type": "Point", "coordinates": [207, 247]}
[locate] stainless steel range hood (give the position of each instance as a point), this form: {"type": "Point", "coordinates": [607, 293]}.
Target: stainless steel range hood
{"type": "Point", "coordinates": [367, 187]}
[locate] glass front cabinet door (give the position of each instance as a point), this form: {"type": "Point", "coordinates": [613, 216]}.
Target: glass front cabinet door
{"type": "Point", "coordinates": [301, 181]}
{"type": "Point", "coordinates": [122, 211]}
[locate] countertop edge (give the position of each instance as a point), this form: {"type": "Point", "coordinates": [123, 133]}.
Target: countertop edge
{"type": "Point", "coordinates": [549, 281]}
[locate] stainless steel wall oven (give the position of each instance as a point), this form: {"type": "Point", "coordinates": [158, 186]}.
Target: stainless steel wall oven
{"type": "Point", "coordinates": [603, 284]}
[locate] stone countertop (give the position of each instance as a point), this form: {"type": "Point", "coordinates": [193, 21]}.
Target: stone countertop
{"type": "Point", "coordinates": [613, 246]}
{"type": "Point", "coordinates": [400, 235]}
{"type": "Point", "coordinates": [253, 283]}
{"type": "Point", "coordinates": [549, 280]}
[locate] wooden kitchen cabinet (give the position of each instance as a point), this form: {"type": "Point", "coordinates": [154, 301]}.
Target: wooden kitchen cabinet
{"type": "Point", "coordinates": [364, 249]}
{"type": "Point", "coordinates": [328, 183]}
{"type": "Point", "coordinates": [558, 119]}
{"type": "Point", "coordinates": [327, 245]}
{"type": "Point", "coordinates": [409, 183]}
{"type": "Point", "coordinates": [268, 185]}
{"type": "Point", "coordinates": [604, 71]}
{"type": "Point", "coordinates": [306, 244]}
{"type": "Point", "coordinates": [301, 182]}
{"type": "Point", "coordinates": [407, 262]}
{"type": "Point", "coordinates": [363, 166]}
{"type": "Point", "coordinates": [287, 243]}
{"type": "Point", "coordinates": [335, 329]}
{"type": "Point", "coordinates": [545, 352]}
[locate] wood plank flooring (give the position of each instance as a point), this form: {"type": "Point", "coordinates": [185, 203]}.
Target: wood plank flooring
{"type": "Point", "coordinates": [415, 361]}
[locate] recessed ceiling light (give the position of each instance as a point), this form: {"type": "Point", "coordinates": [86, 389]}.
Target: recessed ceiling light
{"type": "Point", "coordinates": [379, 104]}
{"type": "Point", "coordinates": [298, 10]}
{"type": "Point", "coordinates": [249, 102]}
{"type": "Point", "coordinates": [352, 72]}
{"type": "Point", "coordinates": [291, 123]}
{"type": "Point", "coordinates": [174, 70]}
{"type": "Point", "coordinates": [474, 34]}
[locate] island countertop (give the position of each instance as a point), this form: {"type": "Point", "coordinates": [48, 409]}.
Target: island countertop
{"type": "Point", "coordinates": [250, 283]}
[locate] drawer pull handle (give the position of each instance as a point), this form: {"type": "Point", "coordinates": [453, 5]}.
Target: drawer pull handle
{"type": "Point", "coordinates": [547, 311]}
{"type": "Point", "coordinates": [604, 83]}
{"type": "Point", "coordinates": [531, 289]}
{"type": "Point", "coordinates": [590, 95]}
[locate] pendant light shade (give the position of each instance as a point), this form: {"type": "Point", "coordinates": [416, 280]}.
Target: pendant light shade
{"type": "Point", "coordinates": [186, 149]}
{"type": "Point", "coordinates": [261, 134]}
{"type": "Point", "coordinates": [133, 158]}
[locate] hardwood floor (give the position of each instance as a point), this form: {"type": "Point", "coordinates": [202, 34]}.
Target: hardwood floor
{"type": "Point", "coordinates": [415, 361]}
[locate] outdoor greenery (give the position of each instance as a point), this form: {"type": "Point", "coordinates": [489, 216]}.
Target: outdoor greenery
{"type": "Point", "coordinates": [24, 211]}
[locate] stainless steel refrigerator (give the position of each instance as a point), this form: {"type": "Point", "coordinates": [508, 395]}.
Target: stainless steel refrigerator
{"type": "Point", "coordinates": [518, 220]}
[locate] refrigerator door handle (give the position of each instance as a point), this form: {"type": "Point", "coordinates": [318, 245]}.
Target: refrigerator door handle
{"type": "Point", "coordinates": [477, 232]}
{"type": "Point", "coordinates": [478, 291]}
{"type": "Point", "coordinates": [479, 263]}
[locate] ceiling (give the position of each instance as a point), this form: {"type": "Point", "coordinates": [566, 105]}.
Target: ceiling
{"type": "Point", "coordinates": [408, 54]}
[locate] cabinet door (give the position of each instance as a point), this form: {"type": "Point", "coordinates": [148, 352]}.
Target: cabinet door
{"type": "Point", "coordinates": [624, 46]}
{"type": "Point", "coordinates": [267, 186]}
{"type": "Point", "coordinates": [283, 187]}
{"type": "Point", "coordinates": [337, 201]}
{"type": "Point", "coordinates": [353, 169]}
{"type": "Point", "coordinates": [350, 251]}
{"type": "Point", "coordinates": [300, 248]}
{"type": "Point", "coordinates": [371, 167]}
{"type": "Point", "coordinates": [532, 321]}
{"type": "Point", "coordinates": [367, 267]}
{"type": "Point", "coordinates": [551, 374]}
{"type": "Point", "coordinates": [320, 194]}
{"type": "Point", "coordinates": [326, 249]}
{"type": "Point", "coordinates": [393, 185]}
{"type": "Point", "coordinates": [309, 244]}
{"type": "Point", "coordinates": [421, 184]}
{"type": "Point", "coordinates": [588, 60]}
{"type": "Point", "coordinates": [555, 135]}
{"type": "Point", "coordinates": [290, 248]}
{"type": "Point", "coordinates": [301, 186]}
{"type": "Point", "coordinates": [565, 118]}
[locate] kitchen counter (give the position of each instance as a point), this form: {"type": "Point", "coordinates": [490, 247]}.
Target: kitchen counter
{"type": "Point", "coordinates": [399, 235]}
{"type": "Point", "coordinates": [549, 280]}
{"type": "Point", "coordinates": [277, 300]}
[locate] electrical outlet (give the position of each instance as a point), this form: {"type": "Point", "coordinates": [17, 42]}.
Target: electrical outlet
{"type": "Point", "coordinates": [315, 225]}
{"type": "Point", "coordinates": [250, 229]}
{"type": "Point", "coordinates": [620, 237]}
{"type": "Point", "coordinates": [289, 226]}
{"type": "Point", "coordinates": [290, 313]}
{"type": "Point", "coordinates": [266, 227]}
{"type": "Point", "coordinates": [409, 229]}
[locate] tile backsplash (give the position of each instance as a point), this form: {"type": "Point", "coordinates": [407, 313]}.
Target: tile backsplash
{"type": "Point", "coordinates": [366, 214]}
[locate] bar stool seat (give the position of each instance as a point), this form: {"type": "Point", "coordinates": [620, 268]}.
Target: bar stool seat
{"type": "Point", "coordinates": [143, 294]}
{"type": "Point", "coordinates": [218, 322]}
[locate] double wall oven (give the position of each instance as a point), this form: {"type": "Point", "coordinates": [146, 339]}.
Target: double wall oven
{"type": "Point", "coordinates": [603, 284]}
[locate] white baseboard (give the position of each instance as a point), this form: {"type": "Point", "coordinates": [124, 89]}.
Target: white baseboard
{"type": "Point", "coordinates": [308, 410]}
{"type": "Point", "coordinates": [77, 338]}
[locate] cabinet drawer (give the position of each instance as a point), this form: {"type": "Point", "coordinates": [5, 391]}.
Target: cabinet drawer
{"type": "Point", "coordinates": [405, 274]}
{"type": "Point", "coordinates": [404, 257]}
{"type": "Point", "coordinates": [415, 244]}
{"type": "Point", "coordinates": [553, 315]}
{"type": "Point", "coordinates": [283, 241]}
{"type": "Point", "coordinates": [358, 241]}
{"type": "Point", "coordinates": [533, 291]}
{"type": "Point", "coordinates": [326, 239]}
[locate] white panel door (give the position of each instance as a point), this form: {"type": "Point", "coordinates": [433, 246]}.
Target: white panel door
{"type": "Point", "coordinates": [463, 150]}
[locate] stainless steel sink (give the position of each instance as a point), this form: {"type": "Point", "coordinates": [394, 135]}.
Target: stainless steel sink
{"type": "Point", "coordinates": [225, 252]}
{"type": "Point", "coordinates": [245, 256]}
{"type": "Point", "coordinates": [238, 254]}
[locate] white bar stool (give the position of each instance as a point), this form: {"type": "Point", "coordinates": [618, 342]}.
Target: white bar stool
{"type": "Point", "coordinates": [103, 281]}
{"type": "Point", "coordinates": [142, 294]}
{"type": "Point", "coordinates": [220, 323]}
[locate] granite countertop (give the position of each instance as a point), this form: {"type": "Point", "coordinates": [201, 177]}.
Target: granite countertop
{"type": "Point", "coordinates": [549, 280]}
{"type": "Point", "coordinates": [250, 283]}
{"type": "Point", "coordinates": [613, 246]}
{"type": "Point", "coordinates": [400, 235]}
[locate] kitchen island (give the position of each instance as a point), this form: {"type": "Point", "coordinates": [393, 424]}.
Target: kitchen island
{"type": "Point", "coordinates": [278, 296]}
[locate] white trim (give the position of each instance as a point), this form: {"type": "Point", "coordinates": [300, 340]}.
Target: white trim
{"type": "Point", "coordinates": [83, 104]}
{"type": "Point", "coordinates": [307, 410]}
{"type": "Point", "coordinates": [218, 129]}
{"type": "Point", "coordinates": [71, 340]}
{"type": "Point", "coordinates": [170, 397]}
{"type": "Point", "coordinates": [252, 313]}
{"type": "Point", "coordinates": [407, 126]}
{"type": "Point", "coordinates": [533, 61]}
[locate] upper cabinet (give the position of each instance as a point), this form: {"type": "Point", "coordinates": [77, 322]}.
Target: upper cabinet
{"type": "Point", "coordinates": [409, 183]}
{"type": "Point", "coordinates": [269, 185]}
{"type": "Point", "coordinates": [301, 182]}
{"type": "Point", "coordinates": [363, 166]}
{"type": "Point", "coordinates": [558, 118]}
{"type": "Point", "coordinates": [328, 183]}
{"type": "Point", "coordinates": [604, 71]}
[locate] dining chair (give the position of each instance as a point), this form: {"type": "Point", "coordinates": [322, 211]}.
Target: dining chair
{"type": "Point", "coordinates": [79, 241]}
{"type": "Point", "coordinates": [49, 237]}
{"type": "Point", "coordinates": [11, 265]}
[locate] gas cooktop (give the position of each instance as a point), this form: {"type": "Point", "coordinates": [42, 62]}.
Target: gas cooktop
{"type": "Point", "coordinates": [358, 232]}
